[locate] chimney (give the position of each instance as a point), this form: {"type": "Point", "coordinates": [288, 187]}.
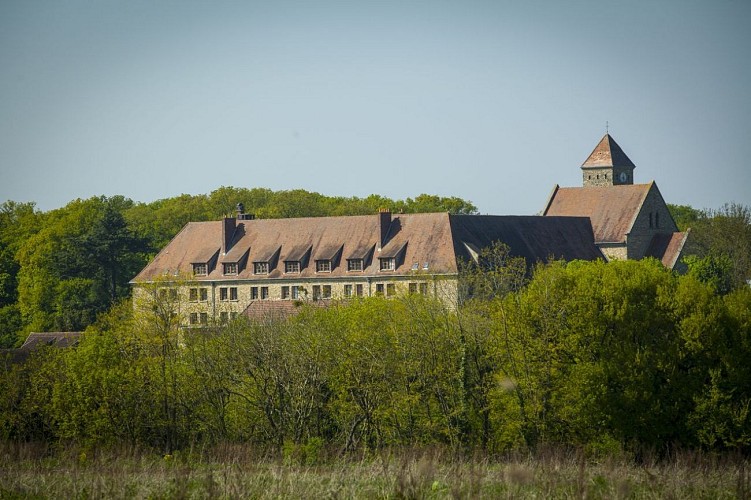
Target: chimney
{"type": "Point", "coordinates": [228, 233]}
{"type": "Point", "coordinates": [241, 215]}
{"type": "Point", "coordinates": [384, 222]}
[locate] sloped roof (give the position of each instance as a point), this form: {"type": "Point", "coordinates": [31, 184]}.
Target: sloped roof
{"type": "Point", "coordinates": [273, 310]}
{"type": "Point", "coordinates": [612, 209]}
{"type": "Point", "coordinates": [434, 238]}
{"type": "Point", "coordinates": [56, 339]}
{"type": "Point", "coordinates": [667, 248]}
{"type": "Point", "coordinates": [607, 153]}
{"type": "Point", "coordinates": [535, 238]}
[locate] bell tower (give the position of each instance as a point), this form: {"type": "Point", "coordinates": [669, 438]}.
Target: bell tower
{"type": "Point", "coordinates": [607, 165]}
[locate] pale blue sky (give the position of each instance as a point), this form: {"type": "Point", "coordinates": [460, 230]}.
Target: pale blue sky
{"type": "Point", "coordinates": [491, 101]}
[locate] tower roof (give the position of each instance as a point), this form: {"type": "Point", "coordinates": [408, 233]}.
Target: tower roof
{"type": "Point", "coordinates": [608, 153]}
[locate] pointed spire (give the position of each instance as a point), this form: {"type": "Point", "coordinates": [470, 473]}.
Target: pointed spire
{"type": "Point", "coordinates": [608, 154]}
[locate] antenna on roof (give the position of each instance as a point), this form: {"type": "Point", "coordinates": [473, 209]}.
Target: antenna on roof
{"type": "Point", "coordinates": [607, 127]}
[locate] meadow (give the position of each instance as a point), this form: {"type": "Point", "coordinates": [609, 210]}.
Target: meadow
{"type": "Point", "coordinates": [235, 471]}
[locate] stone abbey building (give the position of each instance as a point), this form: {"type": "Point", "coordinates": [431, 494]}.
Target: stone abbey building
{"type": "Point", "coordinates": [217, 270]}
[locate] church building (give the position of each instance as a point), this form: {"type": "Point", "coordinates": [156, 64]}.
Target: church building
{"type": "Point", "coordinates": [630, 221]}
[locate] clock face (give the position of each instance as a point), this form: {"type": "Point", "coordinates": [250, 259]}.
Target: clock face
{"type": "Point", "coordinates": [623, 177]}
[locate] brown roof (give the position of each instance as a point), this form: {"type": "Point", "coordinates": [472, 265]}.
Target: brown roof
{"type": "Point", "coordinates": [612, 209]}
{"type": "Point", "coordinates": [57, 339]}
{"type": "Point", "coordinates": [273, 310]}
{"type": "Point", "coordinates": [667, 247]}
{"type": "Point", "coordinates": [434, 239]}
{"type": "Point", "coordinates": [607, 153]}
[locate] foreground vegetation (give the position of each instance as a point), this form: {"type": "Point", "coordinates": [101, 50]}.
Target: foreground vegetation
{"type": "Point", "coordinates": [29, 471]}
{"type": "Point", "coordinates": [613, 358]}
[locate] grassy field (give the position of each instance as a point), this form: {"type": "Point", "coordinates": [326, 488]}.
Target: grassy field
{"type": "Point", "coordinates": [234, 472]}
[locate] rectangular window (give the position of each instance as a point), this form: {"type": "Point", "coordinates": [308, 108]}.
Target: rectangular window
{"type": "Point", "coordinates": [200, 269]}
{"type": "Point", "coordinates": [203, 294]}
{"type": "Point", "coordinates": [173, 294]}
{"type": "Point", "coordinates": [193, 318]}
{"type": "Point", "coordinates": [326, 292]}
{"type": "Point", "coordinates": [379, 288]}
{"type": "Point", "coordinates": [424, 288]}
{"type": "Point", "coordinates": [295, 292]}
{"type": "Point", "coordinates": [223, 317]}
{"type": "Point", "coordinates": [232, 315]}
{"type": "Point", "coordinates": [223, 294]}
{"type": "Point", "coordinates": [354, 265]}
{"type": "Point", "coordinates": [323, 266]}
{"type": "Point", "coordinates": [204, 318]}
{"type": "Point", "coordinates": [358, 290]}
{"type": "Point", "coordinates": [230, 268]}
{"type": "Point", "coordinates": [254, 293]}
{"type": "Point", "coordinates": [388, 264]}
{"type": "Point", "coordinates": [193, 295]}
{"type": "Point", "coordinates": [264, 292]}
{"type": "Point", "coordinates": [316, 292]}
{"type": "Point", "coordinates": [233, 293]}
{"type": "Point", "coordinates": [348, 290]}
{"type": "Point", "coordinates": [413, 288]}
{"type": "Point", "coordinates": [285, 292]}
{"type": "Point", "coordinates": [261, 267]}
{"type": "Point", "coordinates": [390, 289]}
{"type": "Point", "coordinates": [292, 266]}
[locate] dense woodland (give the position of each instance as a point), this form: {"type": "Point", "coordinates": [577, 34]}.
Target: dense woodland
{"type": "Point", "coordinates": [613, 357]}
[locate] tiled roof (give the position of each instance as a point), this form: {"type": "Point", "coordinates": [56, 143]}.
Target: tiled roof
{"type": "Point", "coordinates": [612, 209]}
{"type": "Point", "coordinates": [57, 339]}
{"type": "Point", "coordinates": [608, 153]}
{"type": "Point", "coordinates": [667, 247]}
{"type": "Point", "coordinates": [434, 239]}
{"type": "Point", "coordinates": [273, 310]}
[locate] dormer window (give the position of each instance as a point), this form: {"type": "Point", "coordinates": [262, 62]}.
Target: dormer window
{"type": "Point", "coordinates": [200, 269]}
{"type": "Point", "coordinates": [388, 263]}
{"type": "Point", "coordinates": [323, 266]}
{"type": "Point", "coordinates": [261, 268]}
{"type": "Point", "coordinates": [354, 265]}
{"type": "Point", "coordinates": [230, 268]}
{"type": "Point", "coordinates": [292, 266]}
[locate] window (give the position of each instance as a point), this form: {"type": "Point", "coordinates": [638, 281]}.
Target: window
{"type": "Point", "coordinates": [233, 293]}
{"type": "Point", "coordinates": [388, 264]}
{"type": "Point", "coordinates": [254, 293]}
{"type": "Point", "coordinates": [173, 294]}
{"type": "Point", "coordinates": [232, 315]}
{"type": "Point", "coordinates": [285, 292]}
{"type": "Point", "coordinates": [200, 269]}
{"type": "Point", "coordinates": [295, 292]}
{"type": "Point", "coordinates": [413, 288]}
{"type": "Point", "coordinates": [326, 292]}
{"type": "Point", "coordinates": [316, 292]}
{"type": "Point", "coordinates": [358, 290]}
{"type": "Point", "coordinates": [323, 266]}
{"type": "Point", "coordinates": [379, 288]}
{"type": "Point", "coordinates": [292, 266]}
{"type": "Point", "coordinates": [390, 289]}
{"type": "Point", "coordinates": [264, 292]}
{"type": "Point", "coordinates": [354, 265]}
{"type": "Point", "coordinates": [261, 267]}
{"type": "Point", "coordinates": [223, 294]}
{"type": "Point", "coordinates": [204, 318]}
{"type": "Point", "coordinates": [196, 294]}
{"type": "Point", "coordinates": [223, 317]}
{"type": "Point", "coordinates": [230, 268]}
{"type": "Point", "coordinates": [348, 290]}
{"type": "Point", "coordinates": [424, 288]}
{"type": "Point", "coordinates": [193, 318]}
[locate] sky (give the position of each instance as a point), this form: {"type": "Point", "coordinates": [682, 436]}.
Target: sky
{"type": "Point", "coordinates": [491, 101]}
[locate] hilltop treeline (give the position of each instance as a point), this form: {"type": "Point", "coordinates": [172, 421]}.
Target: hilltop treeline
{"type": "Point", "coordinates": [615, 358]}
{"type": "Point", "coordinates": [60, 269]}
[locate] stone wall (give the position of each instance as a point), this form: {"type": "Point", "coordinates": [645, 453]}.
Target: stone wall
{"type": "Point", "coordinates": [653, 218]}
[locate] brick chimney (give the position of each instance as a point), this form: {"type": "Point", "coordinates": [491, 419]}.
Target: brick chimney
{"type": "Point", "coordinates": [228, 233]}
{"type": "Point", "coordinates": [384, 223]}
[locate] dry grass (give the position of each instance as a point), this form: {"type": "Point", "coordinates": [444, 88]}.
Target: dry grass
{"type": "Point", "coordinates": [29, 471]}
